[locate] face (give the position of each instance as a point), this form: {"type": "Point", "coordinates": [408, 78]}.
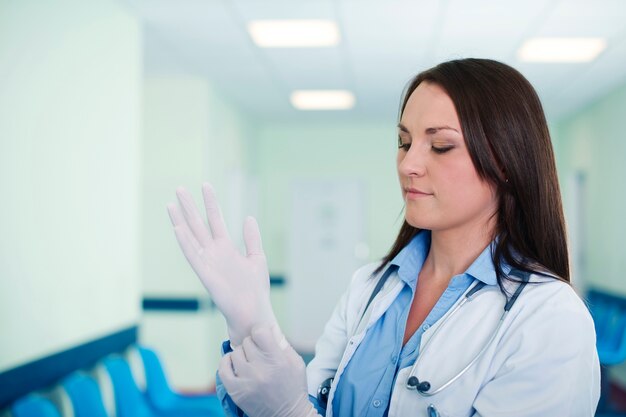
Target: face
{"type": "Point", "coordinates": [439, 183]}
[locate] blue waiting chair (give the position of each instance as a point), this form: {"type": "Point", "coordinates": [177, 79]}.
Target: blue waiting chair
{"type": "Point", "coordinates": [34, 406]}
{"type": "Point", "coordinates": [609, 317]}
{"type": "Point", "coordinates": [168, 402]}
{"type": "Point", "coordinates": [129, 400]}
{"type": "Point", "coordinates": [85, 395]}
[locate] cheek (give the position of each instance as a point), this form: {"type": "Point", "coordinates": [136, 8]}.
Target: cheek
{"type": "Point", "coordinates": [462, 184]}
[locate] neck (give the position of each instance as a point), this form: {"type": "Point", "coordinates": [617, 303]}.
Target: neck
{"type": "Point", "coordinates": [453, 251]}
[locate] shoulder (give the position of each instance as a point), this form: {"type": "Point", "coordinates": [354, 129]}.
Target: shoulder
{"type": "Point", "coordinates": [548, 303]}
{"type": "Point", "coordinates": [364, 273]}
{"type": "Point", "coordinates": [550, 293]}
{"type": "Point", "coordinates": [363, 280]}
{"type": "Point", "coordinates": [361, 287]}
{"type": "Point", "coordinates": [548, 341]}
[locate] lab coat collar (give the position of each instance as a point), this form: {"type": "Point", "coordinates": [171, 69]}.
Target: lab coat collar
{"type": "Point", "coordinates": [410, 259]}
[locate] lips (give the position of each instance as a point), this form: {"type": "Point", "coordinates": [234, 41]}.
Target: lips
{"type": "Point", "coordinates": [415, 191]}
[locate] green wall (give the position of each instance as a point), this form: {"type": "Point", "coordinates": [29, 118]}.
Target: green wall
{"type": "Point", "coordinates": [70, 82]}
{"type": "Point", "coordinates": [363, 151]}
{"type": "Point", "coordinates": [191, 134]}
{"type": "Point", "coordinates": [592, 143]}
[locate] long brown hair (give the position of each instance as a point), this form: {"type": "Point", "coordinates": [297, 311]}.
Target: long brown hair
{"type": "Point", "coordinates": [508, 140]}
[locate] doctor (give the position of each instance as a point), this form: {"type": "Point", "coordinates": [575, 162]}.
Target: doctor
{"type": "Point", "coordinates": [471, 313]}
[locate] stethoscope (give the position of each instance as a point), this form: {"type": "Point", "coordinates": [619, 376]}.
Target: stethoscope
{"type": "Point", "coordinates": [423, 387]}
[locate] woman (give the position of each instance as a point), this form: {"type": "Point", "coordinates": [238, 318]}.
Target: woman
{"type": "Point", "coordinates": [425, 331]}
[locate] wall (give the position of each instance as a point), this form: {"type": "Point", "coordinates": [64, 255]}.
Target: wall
{"type": "Point", "coordinates": [286, 152]}
{"type": "Point", "coordinates": [364, 152]}
{"type": "Point", "coordinates": [591, 144]}
{"type": "Point", "coordinates": [69, 175]}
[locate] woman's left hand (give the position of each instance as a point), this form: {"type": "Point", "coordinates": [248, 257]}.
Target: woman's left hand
{"type": "Point", "coordinates": [238, 284]}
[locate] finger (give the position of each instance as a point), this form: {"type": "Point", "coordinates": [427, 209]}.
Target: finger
{"type": "Point", "coordinates": [239, 361]}
{"type": "Point", "coordinates": [176, 216]}
{"type": "Point", "coordinates": [193, 218]}
{"type": "Point", "coordinates": [213, 212]}
{"type": "Point", "coordinates": [251, 350]}
{"type": "Point", "coordinates": [252, 237]}
{"type": "Point", "coordinates": [227, 373]}
{"type": "Point", "coordinates": [192, 253]}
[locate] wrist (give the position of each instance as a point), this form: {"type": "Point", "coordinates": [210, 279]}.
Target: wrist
{"type": "Point", "coordinates": [239, 331]}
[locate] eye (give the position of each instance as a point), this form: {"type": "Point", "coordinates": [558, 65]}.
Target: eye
{"type": "Point", "coordinates": [442, 149]}
{"type": "Point", "coordinates": [403, 146]}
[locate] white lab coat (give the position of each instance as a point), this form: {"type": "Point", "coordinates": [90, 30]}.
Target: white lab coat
{"type": "Point", "coordinates": [543, 361]}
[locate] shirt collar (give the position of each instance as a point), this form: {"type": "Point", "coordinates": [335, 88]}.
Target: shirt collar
{"type": "Point", "coordinates": [483, 268]}
{"type": "Point", "coordinates": [410, 259]}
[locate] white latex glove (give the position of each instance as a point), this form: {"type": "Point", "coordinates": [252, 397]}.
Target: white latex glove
{"type": "Point", "coordinates": [239, 285]}
{"type": "Point", "coordinates": [265, 377]}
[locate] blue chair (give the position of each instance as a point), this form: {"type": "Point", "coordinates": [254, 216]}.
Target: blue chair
{"type": "Point", "coordinates": [34, 406]}
{"type": "Point", "coordinates": [102, 377]}
{"type": "Point", "coordinates": [129, 400]}
{"type": "Point", "coordinates": [85, 395]}
{"type": "Point", "coordinates": [168, 402]}
{"type": "Point", "coordinates": [609, 317]}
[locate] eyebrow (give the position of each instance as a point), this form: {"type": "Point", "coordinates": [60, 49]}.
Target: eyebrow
{"type": "Point", "coordinates": [428, 130]}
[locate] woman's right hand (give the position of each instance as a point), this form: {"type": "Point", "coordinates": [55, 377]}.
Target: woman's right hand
{"type": "Point", "coordinates": [238, 284]}
{"type": "Point", "coordinates": [266, 377]}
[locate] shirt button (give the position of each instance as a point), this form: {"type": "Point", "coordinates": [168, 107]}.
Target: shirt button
{"type": "Point", "coordinates": [426, 327]}
{"type": "Point", "coordinates": [376, 403]}
{"type": "Point", "coordinates": [394, 358]}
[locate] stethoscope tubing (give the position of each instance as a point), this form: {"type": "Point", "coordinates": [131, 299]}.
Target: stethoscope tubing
{"type": "Point", "coordinates": [324, 388]}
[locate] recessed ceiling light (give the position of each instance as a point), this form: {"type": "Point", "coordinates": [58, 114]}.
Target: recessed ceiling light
{"type": "Point", "coordinates": [322, 99]}
{"type": "Point", "coordinates": [294, 33]}
{"type": "Point", "coordinates": [561, 49]}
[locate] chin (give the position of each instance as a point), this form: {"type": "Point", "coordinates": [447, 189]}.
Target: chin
{"type": "Point", "coordinates": [418, 224]}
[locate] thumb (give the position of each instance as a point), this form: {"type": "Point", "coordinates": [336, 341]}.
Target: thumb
{"type": "Point", "coordinates": [269, 338]}
{"type": "Point", "coordinates": [252, 237]}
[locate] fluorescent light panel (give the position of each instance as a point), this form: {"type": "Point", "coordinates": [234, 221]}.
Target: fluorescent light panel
{"type": "Point", "coordinates": [322, 99]}
{"type": "Point", "coordinates": [561, 49]}
{"type": "Point", "coordinates": [294, 33]}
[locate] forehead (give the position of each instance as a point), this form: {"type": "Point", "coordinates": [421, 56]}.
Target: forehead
{"type": "Point", "coordinates": [429, 105]}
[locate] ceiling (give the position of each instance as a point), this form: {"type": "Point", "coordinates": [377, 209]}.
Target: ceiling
{"type": "Point", "coordinates": [383, 44]}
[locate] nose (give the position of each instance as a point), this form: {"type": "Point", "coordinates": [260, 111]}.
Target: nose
{"type": "Point", "coordinates": [412, 163]}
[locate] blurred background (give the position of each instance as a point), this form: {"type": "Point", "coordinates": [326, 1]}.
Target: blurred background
{"type": "Point", "coordinates": [107, 106]}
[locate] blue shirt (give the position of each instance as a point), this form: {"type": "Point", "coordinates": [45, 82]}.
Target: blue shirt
{"type": "Point", "coordinates": [366, 383]}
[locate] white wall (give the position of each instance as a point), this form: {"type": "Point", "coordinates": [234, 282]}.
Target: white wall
{"type": "Point", "coordinates": [69, 175]}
